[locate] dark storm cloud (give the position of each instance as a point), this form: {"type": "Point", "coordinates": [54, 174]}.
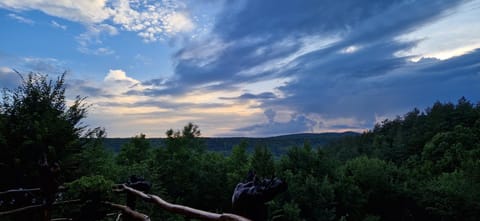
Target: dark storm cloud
{"type": "Point", "coordinates": [297, 123]}
{"type": "Point", "coordinates": [399, 89]}
{"type": "Point", "coordinates": [249, 96]}
{"type": "Point", "coordinates": [255, 33]}
{"type": "Point", "coordinates": [237, 57]}
{"type": "Point", "coordinates": [86, 88]}
{"type": "Point", "coordinates": [357, 75]}
{"type": "Point", "coordinates": [162, 104]}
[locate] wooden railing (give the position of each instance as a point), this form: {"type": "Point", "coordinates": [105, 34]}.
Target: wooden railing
{"type": "Point", "coordinates": [130, 213]}
{"type": "Point", "coordinates": [183, 210]}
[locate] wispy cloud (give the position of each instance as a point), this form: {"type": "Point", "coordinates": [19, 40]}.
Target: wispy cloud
{"type": "Point", "coordinates": [57, 25]}
{"type": "Point", "coordinates": [42, 65]}
{"type": "Point", "coordinates": [297, 123]}
{"type": "Point", "coordinates": [21, 19]}
{"type": "Point", "coordinates": [8, 78]}
{"type": "Point", "coordinates": [87, 11]}
{"type": "Point", "coordinates": [91, 41]}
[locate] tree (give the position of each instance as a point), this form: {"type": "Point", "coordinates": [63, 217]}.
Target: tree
{"type": "Point", "coordinates": [185, 138]}
{"type": "Point", "coordinates": [451, 196]}
{"type": "Point", "coordinates": [38, 128]}
{"type": "Point", "coordinates": [96, 159]}
{"type": "Point", "coordinates": [135, 151]}
{"type": "Point", "coordinates": [238, 164]}
{"type": "Point", "coordinates": [262, 162]}
{"type": "Point", "coordinates": [372, 182]}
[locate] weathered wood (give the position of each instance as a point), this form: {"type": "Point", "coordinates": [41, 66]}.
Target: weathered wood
{"type": "Point", "coordinates": [38, 206]}
{"type": "Point", "coordinates": [8, 212]}
{"type": "Point", "coordinates": [21, 190]}
{"type": "Point", "coordinates": [134, 215]}
{"type": "Point", "coordinates": [184, 210]}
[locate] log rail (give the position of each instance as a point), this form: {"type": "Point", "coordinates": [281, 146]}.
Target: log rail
{"type": "Point", "coordinates": [132, 214]}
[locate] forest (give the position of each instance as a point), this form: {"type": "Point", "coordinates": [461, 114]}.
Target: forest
{"type": "Point", "coordinates": [424, 165]}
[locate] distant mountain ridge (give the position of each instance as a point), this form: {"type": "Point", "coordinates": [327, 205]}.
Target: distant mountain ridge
{"type": "Point", "coordinates": [277, 144]}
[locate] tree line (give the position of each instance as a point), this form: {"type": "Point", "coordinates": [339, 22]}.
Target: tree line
{"type": "Point", "coordinates": [424, 165]}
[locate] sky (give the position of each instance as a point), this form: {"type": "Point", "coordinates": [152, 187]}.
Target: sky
{"type": "Point", "coordinates": [246, 67]}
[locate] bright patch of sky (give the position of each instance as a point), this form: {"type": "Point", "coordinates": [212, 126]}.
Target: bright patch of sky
{"type": "Point", "coordinates": [457, 33]}
{"type": "Point", "coordinates": [246, 68]}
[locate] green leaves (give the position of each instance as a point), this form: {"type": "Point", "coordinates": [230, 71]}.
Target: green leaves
{"type": "Point", "coordinates": [262, 162]}
{"type": "Point", "coordinates": [452, 196]}
{"type": "Point", "coordinates": [95, 188]}
{"type": "Point", "coordinates": [37, 122]}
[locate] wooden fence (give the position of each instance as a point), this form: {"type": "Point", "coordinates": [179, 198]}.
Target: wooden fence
{"type": "Point", "coordinates": [127, 212]}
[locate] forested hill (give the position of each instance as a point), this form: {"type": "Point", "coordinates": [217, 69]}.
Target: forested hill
{"type": "Point", "coordinates": [278, 144]}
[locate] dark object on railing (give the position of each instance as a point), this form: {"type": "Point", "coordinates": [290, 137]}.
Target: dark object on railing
{"type": "Point", "coordinates": [249, 197]}
{"type": "Point", "coordinates": [138, 183]}
{"type": "Point", "coordinates": [49, 183]}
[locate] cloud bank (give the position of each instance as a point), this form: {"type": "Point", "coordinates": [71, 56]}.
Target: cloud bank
{"type": "Point", "coordinates": [341, 58]}
{"type": "Point", "coordinates": [277, 66]}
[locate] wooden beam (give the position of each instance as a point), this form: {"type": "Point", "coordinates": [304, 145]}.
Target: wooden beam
{"type": "Point", "coordinates": [184, 210]}
{"type": "Point", "coordinates": [136, 216]}
{"type": "Point", "coordinates": [38, 206]}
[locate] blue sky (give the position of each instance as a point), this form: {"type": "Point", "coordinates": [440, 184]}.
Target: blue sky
{"type": "Point", "coordinates": [246, 67]}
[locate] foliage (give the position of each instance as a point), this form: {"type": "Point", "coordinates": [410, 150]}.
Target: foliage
{"type": "Point", "coordinates": [95, 188]}
{"type": "Point", "coordinates": [262, 162]}
{"type": "Point", "coordinates": [92, 191]}
{"type": "Point", "coordinates": [452, 196]}
{"type": "Point", "coordinates": [36, 126]}
{"type": "Point", "coordinates": [424, 165]}
{"type": "Point", "coordinates": [96, 159]}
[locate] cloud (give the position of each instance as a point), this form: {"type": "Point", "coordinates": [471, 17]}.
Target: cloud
{"type": "Point", "coordinates": [114, 85]}
{"type": "Point", "coordinates": [249, 96]}
{"type": "Point", "coordinates": [341, 59]}
{"type": "Point", "coordinates": [153, 20]}
{"type": "Point", "coordinates": [462, 35]}
{"type": "Point", "coordinates": [398, 90]}
{"type": "Point", "coordinates": [119, 76]}
{"type": "Point", "coordinates": [270, 114]}
{"type": "Point", "coordinates": [90, 42]}
{"type": "Point", "coordinates": [87, 11]}
{"type": "Point", "coordinates": [57, 25]}
{"type": "Point", "coordinates": [117, 82]}
{"type": "Point", "coordinates": [258, 43]}
{"type": "Point", "coordinates": [8, 78]}
{"type": "Point", "coordinates": [329, 65]}
{"type": "Point", "coordinates": [298, 66]}
{"type": "Point", "coordinates": [298, 123]}
{"type": "Point", "coordinates": [21, 19]}
{"type": "Point", "coordinates": [84, 88]}
{"type": "Point", "coordinates": [41, 65]}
